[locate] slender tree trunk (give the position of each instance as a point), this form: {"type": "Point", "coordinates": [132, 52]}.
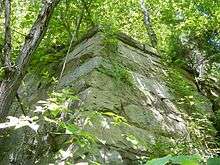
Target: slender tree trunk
{"type": "Point", "coordinates": [14, 77]}
{"type": "Point", "coordinates": [78, 24]}
{"type": "Point", "coordinates": [7, 44]}
{"type": "Point", "coordinates": [8, 90]}
{"type": "Point", "coordinates": [1, 7]}
{"type": "Point", "coordinates": [74, 37]}
{"type": "Point", "coordinates": [148, 24]}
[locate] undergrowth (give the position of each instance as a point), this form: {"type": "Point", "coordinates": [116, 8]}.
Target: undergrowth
{"type": "Point", "coordinates": [196, 110]}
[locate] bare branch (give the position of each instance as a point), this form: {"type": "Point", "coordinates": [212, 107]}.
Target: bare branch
{"type": "Point", "coordinates": [78, 24]}
{"type": "Point", "coordinates": [67, 54]}
{"type": "Point", "coordinates": [74, 36]}
{"type": "Point", "coordinates": [65, 23]}
{"type": "Point", "coordinates": [7, 44]}
{"type": "Point", "coordinates": [22, 34]}
{"type": "Point", "coordinates": [148, 24]}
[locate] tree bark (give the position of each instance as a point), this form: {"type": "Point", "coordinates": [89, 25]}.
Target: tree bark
{"type": "Point", "coordinates": [6, 60]}
{"type": "Point", "coordinates": [13, 79]}
{"type": "Point", "coordinates": [148, 25]}
{"type": "Point", "coordinates": [1, 6]}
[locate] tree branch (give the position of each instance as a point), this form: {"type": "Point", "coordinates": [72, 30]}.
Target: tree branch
{"type": "Point", "coordinates": [7, 44]}
{"type": "Point", "coordinates": [65, 23]}
{"type": "Point", "coordinates": [12, 80]}
{"type": "Point", "coordinates": [35, 35]}
{"type": "Point", "coordinates": [20, 104]}
{"type": "Point", "coordinates": [74, 36]}
{"type": "Point", "coordinates": [148, 24]}
{"type": "Point", "coordinates": [18, 32]}
{"type": "Point", "coordinates": [1, 7]}
{"type": "Point", "coordinates": [78, 24]}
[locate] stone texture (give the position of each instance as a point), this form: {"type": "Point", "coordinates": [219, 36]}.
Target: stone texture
{"type": "Point", "coordinates": [146, 107]}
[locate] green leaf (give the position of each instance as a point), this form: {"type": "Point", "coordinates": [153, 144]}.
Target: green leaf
{"type": "Point", "coordinates": [55, 112]}
{"type": "Point", "coordinates": [160, 161]}
{"type": "Point", "coordinates": [190, 162]}
{"type": "Point", "coordinates": [213, 161]}
{"type": "Point", "coordinates": [182, 160]}
{"type": "Point", "coordinates": [71, 129]}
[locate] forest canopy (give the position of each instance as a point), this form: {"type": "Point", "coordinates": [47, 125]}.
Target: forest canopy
{"type": "Point", "coordinates": [174, 22]}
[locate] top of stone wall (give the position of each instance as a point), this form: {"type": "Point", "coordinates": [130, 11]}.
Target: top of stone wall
{"type": "Point", "coordinates": [122, 37]}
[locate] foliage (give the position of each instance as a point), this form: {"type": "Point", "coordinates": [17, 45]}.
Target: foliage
{"type": "Point", "coordinates": [117, 118]}
{"type": "Point", "coordinates": [56, 110]}
{"type": "Point", "coordinates": [194, 109]}
{"type": "Point", "coordinates": [182, 86]}
{"type": "Point", "coordinates": [55, 117]}
{"type": "Point", "coordinates": [213, 161]}
{"type": "Point", "coordinates": [170, 19]}
{"type": "Point", "coordinates": [119, 73]}
{"type": "Point", "coordinates": [202, 134]}
{"type": "Point", "coordinates": [180, 160]}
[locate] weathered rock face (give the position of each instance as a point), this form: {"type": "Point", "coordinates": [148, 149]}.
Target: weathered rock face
{"type": "Point", "coordinates": [125, 83]}
{"type": "Point", "coordinates": [143, 99]}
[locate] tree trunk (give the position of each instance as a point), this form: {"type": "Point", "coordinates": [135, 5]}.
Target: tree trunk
{"type": "Point", "coordinates": [7, 45]}
{"type": "Point", "coordinates": [14, 77]}
{"type": "Point", "coordinates": [148, 25]}
{"type": "Point", "coordinates": [8, 91]}
{"type": "Point", "coordinates": [1, 6]}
